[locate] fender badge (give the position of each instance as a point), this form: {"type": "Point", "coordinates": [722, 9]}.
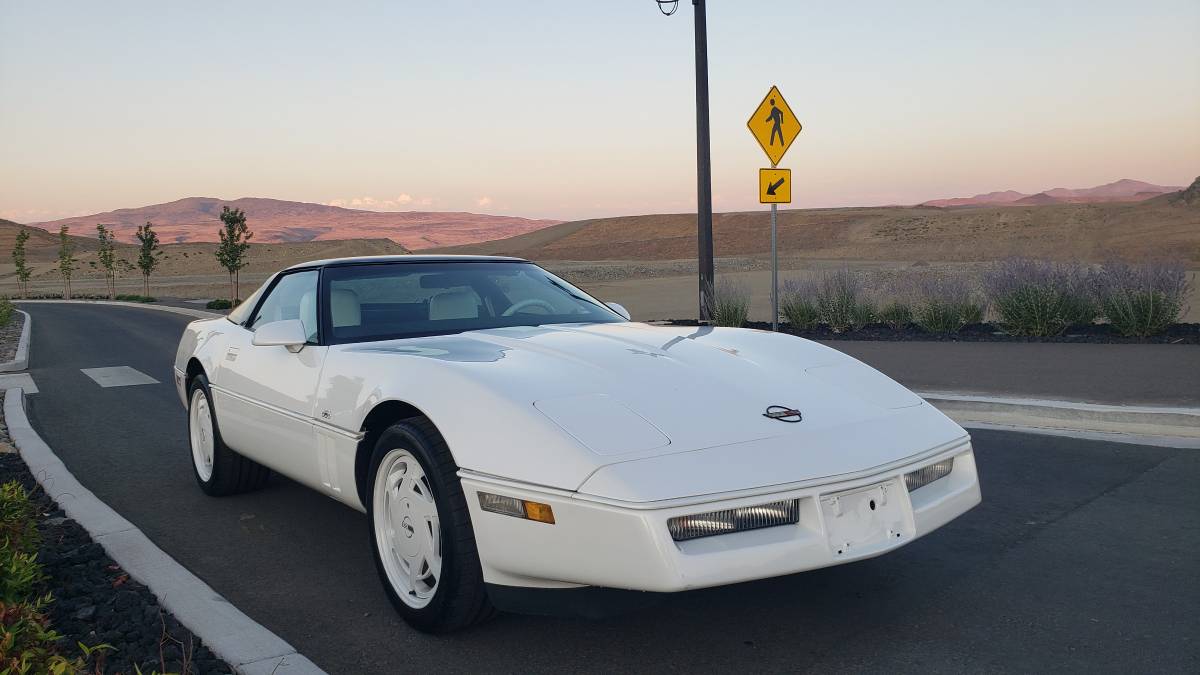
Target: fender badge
{"type": "Point", "coordinates": [778, 412]}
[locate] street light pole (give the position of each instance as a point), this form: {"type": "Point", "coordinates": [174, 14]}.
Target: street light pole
{"type": "Point", "coordinates": [704, 238]}
{"type": "Point", "coordinates": [704, 241]}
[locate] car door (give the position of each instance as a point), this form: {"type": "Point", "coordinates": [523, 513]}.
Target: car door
{"type": "Point", "coordinates": [265, 395]}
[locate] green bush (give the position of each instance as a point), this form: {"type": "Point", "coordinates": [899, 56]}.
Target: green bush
{"type": "Point", "coordinates": [946, 305]}
{"type": "Point", "coordinates": [135, 298]}
{"type": "Point", "coordinates": [1145, 299]}
{"type": "Point", "coordinates": [897, 314]}
{"type": "Point", "coordinates": [798, 304]}
{"type": "Point", "coordinates": [729, 303]}
{"type": "Point", "coordinates": [1039, 298]}
{"type": "Point", "coordinates": [839, 295]}
{"type": "Point", "coordinates": [6, 311]}
{"type": "Point", "coordinates": [219, 303]}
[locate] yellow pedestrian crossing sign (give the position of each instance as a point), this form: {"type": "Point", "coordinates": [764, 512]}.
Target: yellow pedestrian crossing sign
{"type": "Point", "coordinates": [775, 186]}
{"type": "Point", "coordinates": [774, 125]}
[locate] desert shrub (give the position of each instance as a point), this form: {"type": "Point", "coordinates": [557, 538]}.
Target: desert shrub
{"type": "Point", "coordinates": [219, 303]}
{"type": "Point", "coordinates": [1037, 297]}
{"type": "Point", "coordinates": [798, 303]}
{"type": "Point", "coordinates": [839, 294]}
{"type": "Point", "coordinates": [1144, 299]}
{"type": "Point", "coordinates": [6, 311]}
{"type": "Point", "coordinates": [946, 304]}
{"type": "Point", "coordinates": [864, 313]}
{"type": "Point", "coordinates": [729, 303]}
{"type": "Point", "coordinates": [130, 297]}
{"type": "Point", "coordinates": [896, 314]}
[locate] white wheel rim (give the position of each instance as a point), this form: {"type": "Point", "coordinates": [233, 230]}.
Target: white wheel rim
{"type": "Point", "coordinates": [201, 432]}
{"type": "Point", "coordinates": [407, 528]}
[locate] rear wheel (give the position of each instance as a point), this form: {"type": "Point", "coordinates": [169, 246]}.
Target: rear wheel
{"type": "Point", "coordinates": [422, 538]}
{"type": "Point", "coordinates": [219, 471]}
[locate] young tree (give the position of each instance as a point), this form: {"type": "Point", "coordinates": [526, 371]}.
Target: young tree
{"type": "Point", "coordinates": [18, 256]}
{"type": "Point", "coordinates": [148, 253]}
{"type": "Point", "coordinates": [108, 259]}
{"type": "Point", "coordinates": [66, 260]}
{"type": "Point", "coordinates": [235, 242]}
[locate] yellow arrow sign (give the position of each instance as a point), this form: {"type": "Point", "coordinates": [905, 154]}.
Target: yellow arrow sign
{"type": "Point", "coordinates": [775, 186]}
{"type": "Point", "coordinates": [774, 125]}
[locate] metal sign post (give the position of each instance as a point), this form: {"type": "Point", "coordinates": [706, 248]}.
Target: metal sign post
{"type": "Point", "coordinates": [774, 127]}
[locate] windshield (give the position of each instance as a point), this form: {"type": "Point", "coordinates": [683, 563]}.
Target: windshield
{"type": "Point", "coordinates": [396, 300]}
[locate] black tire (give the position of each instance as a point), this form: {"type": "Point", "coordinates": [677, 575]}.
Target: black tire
{"type": "Point", "coordinates": [231, 473]}
{"type": "Point", "coordinates": [460, 598]}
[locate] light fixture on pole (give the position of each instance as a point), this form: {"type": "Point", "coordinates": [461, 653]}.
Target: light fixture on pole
{"type": "Point", "coordinates": [703, 159]}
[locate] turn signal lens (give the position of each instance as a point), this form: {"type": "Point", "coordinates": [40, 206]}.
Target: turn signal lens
{"type": "Point", "coordinates": [927, 474]}
{"type": "Point", "coordinates": [539, 512]}
{"type": "Point", "coordinates": [517, 508]}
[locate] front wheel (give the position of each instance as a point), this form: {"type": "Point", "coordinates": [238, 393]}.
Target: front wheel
{"type": "Point", "coordinates": [219, 471]}
{"type": "Point", "coordinates": [422, 538]}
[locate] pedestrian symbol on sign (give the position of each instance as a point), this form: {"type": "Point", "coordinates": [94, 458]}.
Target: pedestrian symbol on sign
{"type": "Point", "coordinates": [776, 120]}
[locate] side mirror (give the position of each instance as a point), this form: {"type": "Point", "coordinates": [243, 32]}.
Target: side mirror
{"type": "Point", "coordinates": [619, 309]}
{"type": "Point", "coordinates": [288, 333]}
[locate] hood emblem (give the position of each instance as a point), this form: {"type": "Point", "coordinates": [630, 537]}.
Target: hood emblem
{"type": "Point", "coordinates": [783, 414]}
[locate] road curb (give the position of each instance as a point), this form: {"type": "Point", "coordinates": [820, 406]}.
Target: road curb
{"type": "Point", "coordinates": [198, 313]}
{"type": "Point", "coordinates": [240, 641]}
{"type": "Point", "coordinates": [1164, 425]}
{"type": "Point", "coordinates": [21, 360]}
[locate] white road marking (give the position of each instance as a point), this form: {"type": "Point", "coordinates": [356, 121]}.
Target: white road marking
{"type": "Point", "coordinates": [118, 376]}
{"type": "Point", "coordinates": [22, 380]}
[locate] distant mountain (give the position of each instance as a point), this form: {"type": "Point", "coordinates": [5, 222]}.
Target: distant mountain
{"type": "Point", "coordinates": [1124, 190]}
{"type": "Point", "coordinates": [197, 219]}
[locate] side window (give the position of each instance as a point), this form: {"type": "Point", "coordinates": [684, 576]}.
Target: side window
{"type": "Point", "coordinates": [294, 297]}
{"type": "Point", "coordinates": [241, 313]}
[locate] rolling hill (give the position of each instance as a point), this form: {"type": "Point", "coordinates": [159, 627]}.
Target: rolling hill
{"type": "Point", "coordinates": [1124, 190]}
{"type": "Point", "coordinates": [1164, 225]}
{"type": "Point", "coordinates": [42, 245]}
{"type": "Point", "coordinates": [197, 219]}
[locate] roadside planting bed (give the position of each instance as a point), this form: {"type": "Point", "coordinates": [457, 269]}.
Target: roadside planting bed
{"type": "Point", "coordinates": [1027, 300]}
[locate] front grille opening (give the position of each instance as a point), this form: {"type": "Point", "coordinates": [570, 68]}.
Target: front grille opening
{"type": "Point", "coordinates": [915, 480]}
{"type": "Point", "coordinates": [728, 521]}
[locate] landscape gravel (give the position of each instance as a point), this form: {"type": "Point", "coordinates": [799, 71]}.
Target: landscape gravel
{"type": "Point", "coordinates": [96, 602]}
{"type": "Point", "coordinates": [10, 337]}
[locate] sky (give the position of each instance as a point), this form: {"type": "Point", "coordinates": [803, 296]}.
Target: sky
{"type": "Point", "coordinates": [565, 109]}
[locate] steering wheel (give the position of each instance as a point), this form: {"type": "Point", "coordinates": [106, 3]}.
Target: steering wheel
{"type": "Point", "coordinates": [522, 304]}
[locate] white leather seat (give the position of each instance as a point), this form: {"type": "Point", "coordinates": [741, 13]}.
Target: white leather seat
{"type": "Point", "coordinates": [308, 313]}
{"type": "Point", "coordinates": [454, 305]}
{"type": "Point", "coordinates": [344, 308]}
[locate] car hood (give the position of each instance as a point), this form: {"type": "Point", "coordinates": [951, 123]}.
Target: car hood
{"type": "Point", "coordinates": [628, 392]}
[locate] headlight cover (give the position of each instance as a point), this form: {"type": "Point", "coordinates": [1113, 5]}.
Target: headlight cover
{"type": "Point", "coordinates": [927, 474]}
{"type": "Point", "coordinates": [728, 521]}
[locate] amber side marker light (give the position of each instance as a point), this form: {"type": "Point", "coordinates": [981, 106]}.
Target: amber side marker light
{"type": "Point", "coordinates": [517, 508]}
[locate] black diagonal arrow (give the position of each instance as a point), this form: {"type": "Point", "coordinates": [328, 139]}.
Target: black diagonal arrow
{"type": "Point", "coordinates": [773, 187]}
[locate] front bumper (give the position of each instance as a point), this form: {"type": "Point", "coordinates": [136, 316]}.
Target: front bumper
{"type": "Point", "coordinates": [628, 546]}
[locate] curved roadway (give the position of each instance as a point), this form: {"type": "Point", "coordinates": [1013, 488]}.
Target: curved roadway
{"type": "Point", "coordinates": [1083, 555]}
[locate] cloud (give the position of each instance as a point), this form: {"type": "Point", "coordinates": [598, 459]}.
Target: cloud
{"type": "Point", "coordinates": [377, 204]}
{"type": "Point", "coordinates": [483, 201]}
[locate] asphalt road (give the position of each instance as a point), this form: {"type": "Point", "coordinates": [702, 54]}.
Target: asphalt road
{"type": "Point", "coordinates": [1083, 556]}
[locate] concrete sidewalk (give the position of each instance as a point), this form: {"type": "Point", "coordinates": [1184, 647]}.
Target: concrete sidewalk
{"type": "Point", "coordinates": [1114, 374]}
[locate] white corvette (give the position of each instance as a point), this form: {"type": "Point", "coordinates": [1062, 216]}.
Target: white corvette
{"type": "Point", "coordinates": [517, 444]}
